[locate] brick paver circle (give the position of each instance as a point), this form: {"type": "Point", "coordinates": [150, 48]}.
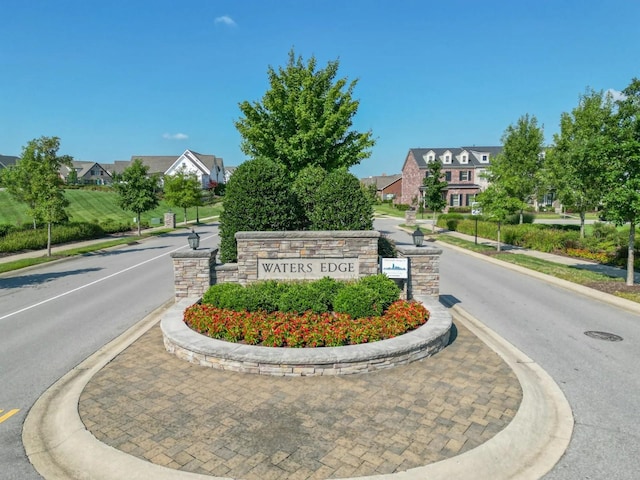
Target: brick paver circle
{"type": "Point", "coordinates": [155, 406]}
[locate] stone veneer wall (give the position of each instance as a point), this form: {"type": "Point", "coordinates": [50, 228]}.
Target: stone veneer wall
{"type": "Point", "coordinates": [192, 271]}
{"type": "Point", "coordinates": [424, 270]}
{"type": "Point", "coordinates": [304, 244]}
{"type": "Point", "coordinates": [170, 220]}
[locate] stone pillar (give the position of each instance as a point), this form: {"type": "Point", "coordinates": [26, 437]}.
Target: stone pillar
{"type": "Point", "coordinates": [410, 217]}
{"type": "Point", "coordinates": [170, 220]}
{"type": "Point", "coordinates": [192, 271]}
{"type": "Point", "coordinates": [424, 270]}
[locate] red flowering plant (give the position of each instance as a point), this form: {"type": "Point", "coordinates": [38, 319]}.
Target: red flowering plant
{"type": "Point", "coordinates": [308, 329]}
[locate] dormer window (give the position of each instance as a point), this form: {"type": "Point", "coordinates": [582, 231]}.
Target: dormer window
{"type": "Point", "coordinates": [485, 158]}
{"type": "Point", "coordinates": [446, 158]}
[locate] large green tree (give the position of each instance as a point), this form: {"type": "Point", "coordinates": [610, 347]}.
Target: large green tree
{"type": "Point", "coordinates": [137, 190]}
{"type": "Point", "coordinates": [36, 181]}
{"type": "Point", "coordinates": [581, 153]}
{"type": "Point", "coordinates": [305, 118]}
{"type": "Point", "coordinates": [622, 198]}
{"type": "Point", "coordinates": [518, 168]}
{"type": "Point", "coordinates": [434, 187]}
{"type": "Point", "coordinates": [183, 190]}
{"type": "Point", "coordinates": [496, 205]}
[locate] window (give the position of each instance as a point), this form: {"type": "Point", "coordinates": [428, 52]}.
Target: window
{"type": "Point", "coordinates": [485, 158]}
{"type": "Point", "coordinates": [465, 159]}
{"type": "Point", "coordinates": [465, 175]}
{"type": "Point", "coordinates": [447, 176]}
{"type": "Point", "coordinates": [455, 199]}
{"type": "Point", "coordinates": [447, 159]}
{"type": "Point", "coordinates": [471, 197]}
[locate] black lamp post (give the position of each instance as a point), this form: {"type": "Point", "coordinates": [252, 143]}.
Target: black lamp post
{"type": "Point", "coordinates": [418, 237]}
{"type": "Point", "coordinates": [194, 240]}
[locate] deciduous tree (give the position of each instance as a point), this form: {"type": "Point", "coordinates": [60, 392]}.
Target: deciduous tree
{"type": "Point", "coordinates": [518, 168]}
{"type": "Point", "coordinates": [497, 204]}
{"type": "Point", "coordinates": [137, 190]}
{"type": "Point", "coordinates": [576, 163]}
{"type": "Point", "coordinates": [35, 180]}
{"type": "Point", "coordinates": [622, 198]}
{"type": "Point", "coordinates": [434, 188]}
{"type": "Point", "coordinates": [305, 118]}
{"type": "Point", "coordinates": [183, 190]}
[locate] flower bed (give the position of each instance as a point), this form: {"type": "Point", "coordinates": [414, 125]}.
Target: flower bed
{"type": "Point", "coordinates": [278, 329]}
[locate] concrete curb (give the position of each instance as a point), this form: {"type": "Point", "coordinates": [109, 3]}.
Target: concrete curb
{"type": "Point", "coordinates": [60, 447]}
{"type": "Point", "coordinates": [619, 302]}
{"type": "Point", "coordinates": [194, 347]}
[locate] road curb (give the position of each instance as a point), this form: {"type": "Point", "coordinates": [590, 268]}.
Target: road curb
{"type": "Point", "coordinates": [607, 298]}
{"type": "Point", "coordinates": [60, 447]}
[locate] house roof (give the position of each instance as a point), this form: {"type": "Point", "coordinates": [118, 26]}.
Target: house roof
{"type": "Point", "coordinates": [82, 168]}
{"type": "Point", "coordinates": [162, 163]}
{"type": "Point", "coordinates": [474, 158]}
{"type": "Point", "coordinates": [7, 160]}
{"type": "Point", "coordinates": [381, 181]}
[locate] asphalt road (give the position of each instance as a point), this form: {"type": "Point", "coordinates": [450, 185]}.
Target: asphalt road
{"type": "Point", "coordinates": [599, 378]}
{"type": "Point", "coordinates": [53, 316]}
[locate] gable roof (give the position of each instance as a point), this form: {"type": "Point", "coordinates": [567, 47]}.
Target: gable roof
{"type": "Point", "coordinates": [82, 168]}
{"type": "Point", "coordinates": [381, 181]}
{"type": "Point", "coordinates": [474, 160]}
{"type": "Point", "coordinates": [7, 161]}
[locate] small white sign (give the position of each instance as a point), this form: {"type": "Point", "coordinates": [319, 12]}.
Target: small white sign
{"type": "Point", "coordinates": [395, 267]}
{"type": "Point", "coordinates": [476, 208]}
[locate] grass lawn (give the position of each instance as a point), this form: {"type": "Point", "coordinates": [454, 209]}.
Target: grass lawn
{"type": "Point", "coordinates": [613, 285]}
{"type": "Point", "coordinates": [98, 206]}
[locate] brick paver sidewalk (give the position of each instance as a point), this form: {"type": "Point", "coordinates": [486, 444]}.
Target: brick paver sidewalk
{"type": "Point", "coordinates": [154, 406]}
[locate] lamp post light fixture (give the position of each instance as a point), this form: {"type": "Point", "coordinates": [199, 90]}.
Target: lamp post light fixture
{"type": "Point", "coordinates": [194, 240]}
{"type": "Point", "coordinates": [418, 237]}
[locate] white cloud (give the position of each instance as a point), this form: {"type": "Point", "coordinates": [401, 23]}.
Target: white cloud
{"type": "Point", "coordinates": [225, 19]}
{"type": "Point", "coordinates": [615, 95]}
{"type": "Point", "coordinates": [175, 136]}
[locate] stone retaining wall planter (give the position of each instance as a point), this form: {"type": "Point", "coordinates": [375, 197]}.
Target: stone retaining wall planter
{"type": "Point", "coordinates": [196, 348]}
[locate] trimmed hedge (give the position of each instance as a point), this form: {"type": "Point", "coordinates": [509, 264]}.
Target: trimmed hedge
{"type": "Point", "coordinates": [369, 296]}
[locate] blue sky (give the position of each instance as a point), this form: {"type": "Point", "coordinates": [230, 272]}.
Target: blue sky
{"type": "Point", "coordinates": [119, 78]}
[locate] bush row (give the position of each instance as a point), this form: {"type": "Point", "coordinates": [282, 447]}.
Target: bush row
{"type": "Point", "coordinates": [605, 245]}
{"type": "Point", "coordinates": [280, 329]}
{"type": "Point", "coordinates": [367, 297]}
{"type": "Point", "coordinates": [17, 239]}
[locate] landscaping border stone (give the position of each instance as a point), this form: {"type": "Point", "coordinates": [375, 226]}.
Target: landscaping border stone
{"type": "Point", "coordinates": [199, 349]}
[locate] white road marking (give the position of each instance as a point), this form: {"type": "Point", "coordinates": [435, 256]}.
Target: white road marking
{"type": "Point", "coordinates": [96, 281]}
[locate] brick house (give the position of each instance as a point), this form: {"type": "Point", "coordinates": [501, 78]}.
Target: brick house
{"type": "Point", "coordinates": [462, 167]}
{"type": "Point", "coordinates": [388, 187]}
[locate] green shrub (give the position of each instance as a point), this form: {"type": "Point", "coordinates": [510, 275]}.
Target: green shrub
{"type": "Point", "coordinates": [302, 297]}
{"type": "Point", "coordinates": [387, 247]}
{"type": "Point", "coordinates": [514, 219]}
{"type": "Point", "coordinates": [258, 197]}
{"type": "Point", "coordinates": [223, 295]}
{"type": "Point", "coordinates": [385, 289]}
{"type": "Point", "coordinates": [403, 207]}
{"type": "Point", "coordinates": [358, 301]}
{"type": "Point", "coordinates": [6, 228]}
{"type": "Point", "coordinates": [30, 239]}
{"type": "Point", "coordinates": [341, 203]}
{"type": "Point", "coordinates": [305, 186]}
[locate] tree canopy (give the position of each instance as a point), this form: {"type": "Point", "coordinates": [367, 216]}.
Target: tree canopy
{"type": "Point", "coordinates": [136, 189]}
{"type": "Point", "coordinates": [576, 163]}
{"type": "Point", "coordinates": [434, 187]}
{"type": "Point", "coordinates": [622, 198]}
{"type": "Point", "coordinates": [183, 190]}
{"type": "Point", "coordinates": [305, 118]}
{"type": "Point", "coordinates": [518, 167]}
{"type": "Point", "coordinates": [35, 180]}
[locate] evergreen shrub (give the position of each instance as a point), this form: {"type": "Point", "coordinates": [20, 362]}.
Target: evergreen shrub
{"type": "Point", "coordinates": [358, 301]}
{"type": "Point", "coordinates": [258, 197]}
{"type": "Point", "coordinates": [341, 203]}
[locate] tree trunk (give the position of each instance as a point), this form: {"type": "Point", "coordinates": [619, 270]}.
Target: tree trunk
{"type": "Point", "coordinates": [630, 257]}
{"type": "Point", "coordinates": [139, 226]}
{"type": "Point", "coordinates": [521, 216]}
{"type": "Point", "coordinates": [49, 239]}
{"type": "Point", "coordinates": [433, 226]}
{"type": "Point", "coordinates": [185, 215]}
{"type": "Point", "coordinates": [498, 236]}
{"type": "Point", "coordinates": [582, 216]}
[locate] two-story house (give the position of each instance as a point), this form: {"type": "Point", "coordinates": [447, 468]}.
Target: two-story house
{"type": "Point", "coordinates": [462, 167]}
